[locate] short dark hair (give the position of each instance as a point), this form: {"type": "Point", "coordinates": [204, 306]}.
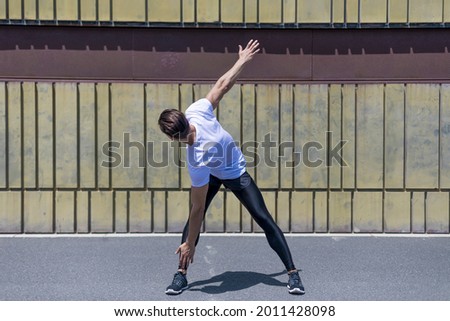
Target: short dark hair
{"type": "Point", "coordinates": [174, 123]}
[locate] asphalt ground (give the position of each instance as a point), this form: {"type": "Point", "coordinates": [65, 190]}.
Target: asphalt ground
{"type": "Point", "coordinates": [234, 267]}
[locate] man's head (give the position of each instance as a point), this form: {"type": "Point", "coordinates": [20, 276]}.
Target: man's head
{"type": "Point", "coordinates": [174, 124]}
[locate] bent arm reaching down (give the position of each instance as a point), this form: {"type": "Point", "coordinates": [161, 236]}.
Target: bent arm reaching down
{"type": "Point", "coordinates": [224, 84]}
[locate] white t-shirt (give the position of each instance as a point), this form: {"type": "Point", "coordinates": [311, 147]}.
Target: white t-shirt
{"type": "Point", "coordinates": [214, 150]}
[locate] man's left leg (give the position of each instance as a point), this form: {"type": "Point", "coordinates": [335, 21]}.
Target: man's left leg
{"type": "Point", "coordinates": [250, 196]}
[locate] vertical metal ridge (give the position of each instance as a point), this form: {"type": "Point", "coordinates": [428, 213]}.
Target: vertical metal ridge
{"type": "Point", "coordinates": [54, 157]}
{"type": "Point", "coordinates": [79, 11]}
{"type": "Point", "coordinates": [220, 12]}
{"type": "Point", "coordinates": [342, 144]}
{"type": "Point", "coordinates": [111, 12]}
{"type": "Point", "coordinates": [331, 14]}
{"type": "Point", "coordinates": [257, 13]}
{"type": "Point", "coordinates": [145, 137]}
{"type": "Point", "coordinates": [355, 177]}
{"type": "Point", "coordinates": [195, 13]}
{"type": "Point", "coordinates": [109, 132]}
{"type": "Point", "coordinates": [352, 211]}
{"type": "Point", "coordinates": [439, 137]}
{"type": "Point", "coordinates": [78, 137]}
{"type": "Point", "coordinates": [22, 10]}
{"type": "Point", "coordinates": [384, 138]}
{"type": "Point", "coordinates": [7, 136]}
{"type": "Point", "coordinates": [146, 13]}
{"type": "Point", "coordinates": [152, 211]}
{"type": "Point", "coordinates": [114, 224]}
{"type": "Point", "coordinates": [53, 134]}
{"type": "Point", "coordinates": [97, 14]}
{"type": "Point", "coordinates": [96, 156]}
{"type": "Point", "coordinates": [443, 14]}
{"type": "Point", "coordinates": [36, 121]}
{"type": "Point", "coordinates": [313, 228]}
{"type": "Point", "coordinates": [328, 161]}
{"type": "Point", "coordinates": [181, 13]}
{"type": "Point", "coordinates": [359, 13]}
{"type": "Point", "coordinates": [37, 9]}
{"type": "Point", "coordinates": [425, 212]}
{"type": "Point", "coordinates": [293, 137]}
{"type": "Point", "coordinates": [279, 139]}
{"type": "Point", "coordinates": [405, 132]}
{"type": "Point", "coordinates": [75, 211]}
{"type": "Point", "coordinates": [89, 218]}
{"type": "Point", "coordinates": [345, 13]}
{"type": "Point", "coordinates": [55, 11]}
{"type": "Point", "coordinates": [411, 217]}
{"type": "Point", "coordinates": [7, 15]}
{"type": "Point", "coordinates": [388, 12]}
{"type": "Point", "coordinates": [244, 21]}
{"type": "Point", "coordinates": [22, 140]}
{"type": "Point", "coordinates": [383, 219]}
{"type": "Point", "coordinates": [128, 211]}
{"type": "Point", "coordinates": [408, 13]}
{"type": "Point", "coordinates": [22, 211]}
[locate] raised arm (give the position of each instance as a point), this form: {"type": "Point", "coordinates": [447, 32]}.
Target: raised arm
{"type": "Point", "coordinates": [224, 84]}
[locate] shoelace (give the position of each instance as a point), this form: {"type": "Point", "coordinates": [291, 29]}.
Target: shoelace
{"type": "Point", "coordinates": [294, 277]}
{"type": "Point", "coordinates": [178, 279]}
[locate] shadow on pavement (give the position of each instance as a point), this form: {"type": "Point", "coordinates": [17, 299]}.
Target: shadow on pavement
{"type": "Point", "coordinates": [235, 281]}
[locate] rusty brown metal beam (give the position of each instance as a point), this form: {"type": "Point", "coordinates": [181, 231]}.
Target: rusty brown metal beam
{"type": "Point", "coordinates": [201, 55]}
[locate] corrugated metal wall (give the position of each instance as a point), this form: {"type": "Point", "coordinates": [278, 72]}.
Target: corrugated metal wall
{"type": "Point", "coordinates": [58, 139]}
{"type": "Point", "coordinates": [393, 138]}
{"type": "Point", "coordinates": [241, 12]}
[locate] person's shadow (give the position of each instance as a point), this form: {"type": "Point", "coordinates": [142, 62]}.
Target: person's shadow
{"type": "Point", "coordinates": [235, 281]}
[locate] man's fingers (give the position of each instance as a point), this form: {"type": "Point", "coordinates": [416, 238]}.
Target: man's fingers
{"type": "Point", "coordinates": [252, 46]}
{"type": "Point", "coordinates": [256, 51]}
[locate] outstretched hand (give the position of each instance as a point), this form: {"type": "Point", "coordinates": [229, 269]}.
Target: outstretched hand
{"type": "Point", "coordinates": [249, 51]}
{"type": "Point", "coordinates": [186, 253]}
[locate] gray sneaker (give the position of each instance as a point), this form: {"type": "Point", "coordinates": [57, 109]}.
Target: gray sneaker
{"type": "Point", "coordinates": [179, 284]}
{"type": "Point", "coordinates": [295, 285]}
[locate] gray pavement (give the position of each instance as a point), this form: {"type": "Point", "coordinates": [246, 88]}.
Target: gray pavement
{"type": "Point", "coordinates": [226, 267]}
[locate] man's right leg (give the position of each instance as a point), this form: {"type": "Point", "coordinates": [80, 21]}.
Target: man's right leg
{"type": "Point", "coordinates": [179, 282]}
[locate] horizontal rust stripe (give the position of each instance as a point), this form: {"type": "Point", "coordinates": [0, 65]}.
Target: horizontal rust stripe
{"type": "Point", "coordinates": [201, 55]}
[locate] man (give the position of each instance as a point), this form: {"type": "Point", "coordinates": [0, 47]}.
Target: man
{"type": "Point", "coordinates": [213, 159]}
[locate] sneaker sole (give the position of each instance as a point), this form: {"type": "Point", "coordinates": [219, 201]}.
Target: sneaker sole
{"type": "Point", "coordinates": [295, 290]}
{"type": "Point", "coordinates": [173, 292]}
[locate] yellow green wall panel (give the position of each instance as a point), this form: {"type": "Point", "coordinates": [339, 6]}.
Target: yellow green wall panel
{"type": "Point", "coordinates": [60, 141]}
{"type": "Point", "coordinates": [164, 11]}
{"type": "Point", "coordinates": [241, 12]}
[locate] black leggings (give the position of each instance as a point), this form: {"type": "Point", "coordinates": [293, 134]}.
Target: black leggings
{"type": "Point", "coordinates": [250, 196]}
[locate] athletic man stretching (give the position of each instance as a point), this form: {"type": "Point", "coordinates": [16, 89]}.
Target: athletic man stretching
{"type": "Point", "coordinates": [214, 159]}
